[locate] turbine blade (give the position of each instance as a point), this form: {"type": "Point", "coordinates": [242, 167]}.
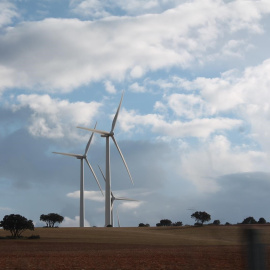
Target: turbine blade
{"type": "Point", "coordinates": [118, 217]}
{"type": "Point", "coordinates": [102, 174]}
{"type": "Point", "coordinates": [102, 132]}
{"type": "Point", "coordinates": [118, 148]}
{"type": "Point", "coordinates": [112, 205]}
{"type": "Point", "coordinates": [125, 199]}
{"type": "Point", "coordinates": [89, 165]}
{"type": "Point", "coordinates": [117, 112]}
{"type": "Point", "coordinates": [89, 142]}
{"type": "Point", "coordinates": [67, 154]}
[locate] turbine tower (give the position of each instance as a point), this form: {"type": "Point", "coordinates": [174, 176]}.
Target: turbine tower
{"type": "Point", "coordinates": [109, 135]}
{"type": "Point", "coordinates": [113, 198]}
{"type": "Point", "coordinates": [82, 158]}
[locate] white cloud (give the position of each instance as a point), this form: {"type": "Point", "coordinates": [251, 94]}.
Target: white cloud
{"type": "Point", "coordinates": [93, 8]}
{"type": "Point", "coordinates": [110, 87]}
{"type": "Point", "coordinates": [104, 8]}
{"type": "Point", "coordinates": [216, 94]}
{"type": "Point", "coordinates": [88, 195]}
{"type": "Point", "coordinates": [236, 48]}
{"type": "Point", "coordinates": [53, 118]}
{"type": "Point", "coordinates": [201, 128]}
{"type": "Point", "coordinates": [245, 95]}
{"type": "Point", "coordinates": [159, 106]}
{"type": "Point", "coordinates": [63, 54]}
{"type": "Point", "coordinates": [189, 106]}
{"type": "Point", "coordinates": [218, 157]}
{"type": "Point", "coordinates": [69, 222]}
{"type": "Point", "coordinates": [135, 87]}
{"type": "Point", "coordinates": [127, 206]}
{"type": "Point", "coordinates": [7, 13]}
{"type": "Point", "coordinates": [137, 72]}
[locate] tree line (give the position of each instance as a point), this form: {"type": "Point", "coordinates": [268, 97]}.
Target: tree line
{"type": "Point", "coordinates": [17, 224]}
{"type": "Point", "coordinates": [200, 218]}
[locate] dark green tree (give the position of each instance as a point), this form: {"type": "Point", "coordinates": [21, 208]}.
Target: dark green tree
{"type": "Point", "coordinates": [144, 225]}
{"type": "Point", "coordinates": [261, 221]}
{"type": "Point", "coordinates": [16, 224]}
{"type": "Point", "coordinates": [201, 217]}
{"type": "Point", "coordinates": [51, 219]}
{"type": "Point", "coordinates": [216, 222]}
{"type": "Point", "coordinates": [178, 223]}
{"type": "Point", "coordinates": [249, 220]}
{"type": "Point", "coordinates": [164, 222]}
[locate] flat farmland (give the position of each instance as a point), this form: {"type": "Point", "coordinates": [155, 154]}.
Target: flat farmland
{"type": "Point", "coordinates": [207, 247]}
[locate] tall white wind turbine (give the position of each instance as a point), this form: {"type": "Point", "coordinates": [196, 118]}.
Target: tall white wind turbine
{"type": "Point", "coordinates": [113, 198]}
{"type": "Point", "coordinates": [109, 135]}
{"type": "Point", "coordinates": [82, 158]}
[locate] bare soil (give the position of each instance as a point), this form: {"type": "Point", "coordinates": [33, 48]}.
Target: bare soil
{"type": "Point", "coordinates": [210, 247]}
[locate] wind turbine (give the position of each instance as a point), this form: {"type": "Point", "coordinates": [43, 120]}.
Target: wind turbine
{"type": "Point", "coordinates": [118, 217]}
{"type": "Point", "coordinates": [81, 158]}
{"type": "Point", "coordinates": [113, 198]}
{"type": "Point", "coordinates": [109, 135]}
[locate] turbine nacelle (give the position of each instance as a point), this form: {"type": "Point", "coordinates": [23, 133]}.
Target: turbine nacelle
{"type": "Point", "coordinates": [111, 134]}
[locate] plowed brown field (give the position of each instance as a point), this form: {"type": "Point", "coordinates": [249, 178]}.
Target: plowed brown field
{"type": "Point", "coordinates": [208, 247]}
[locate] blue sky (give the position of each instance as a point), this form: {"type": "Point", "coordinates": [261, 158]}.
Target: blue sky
{"type": "Point", "coordinates": [194, 123]}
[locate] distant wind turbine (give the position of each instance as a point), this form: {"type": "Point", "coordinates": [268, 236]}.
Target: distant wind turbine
{"type": "Point", "coordinates": [118, 217]}
{"type": "Point", "coordinates": [113, 198]}
{"type": "Point", "coordinates": [107, 135]}
{"type": "Point", "coordinates": [83, 157]}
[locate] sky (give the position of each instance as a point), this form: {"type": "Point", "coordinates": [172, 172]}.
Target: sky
{"type": "Point", "coordinates": [194, 126]}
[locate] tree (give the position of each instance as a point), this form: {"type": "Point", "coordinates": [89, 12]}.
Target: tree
{"type": "Point", "coordinates": [178, 223]}
{"type": "Point", "coordinates": [144, 225]}
{"type": "Point", "coordinates": [249, 220]}
{"type": "Point", "coordinates": [16, 224]}
{"type": "Point", "coordinates": [164, 222]}
{"type": "Point", "coordinates": [261, 221]}
{"type": "Point", "coordinates": [51, 219]}
{"type": "Point", "coordinates": [216, 222]}
{"type": "Point", "coordinates": [201, 217]}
